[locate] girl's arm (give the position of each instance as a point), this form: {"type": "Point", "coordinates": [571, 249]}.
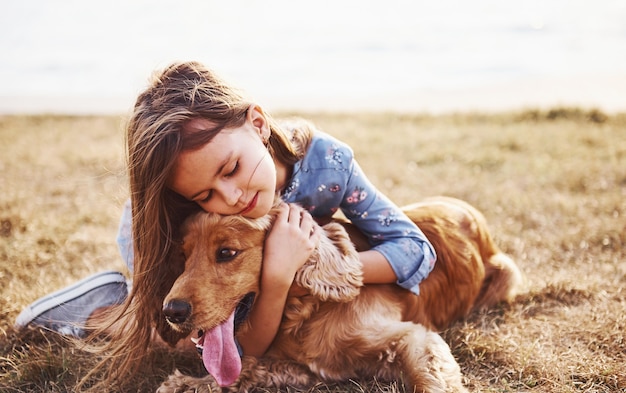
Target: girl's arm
{"type": "Point", "coordinates": [400, 252]}
{"type": "Point", "coordinates": [287, 247]}
{"type": "Point", "coordinates": [376, 268]}
{"type": "Point", "coordinates": [328, 178]}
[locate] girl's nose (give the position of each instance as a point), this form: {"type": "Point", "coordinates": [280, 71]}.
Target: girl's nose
{"type": "Point", "coordinates": [231, 195]}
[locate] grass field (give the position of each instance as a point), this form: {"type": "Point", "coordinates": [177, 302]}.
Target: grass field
{"type": "Point", "coordinates": [552, 184]}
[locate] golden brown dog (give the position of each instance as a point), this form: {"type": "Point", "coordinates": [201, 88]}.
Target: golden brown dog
{"type": "Point", "coordinates": [342, 329]}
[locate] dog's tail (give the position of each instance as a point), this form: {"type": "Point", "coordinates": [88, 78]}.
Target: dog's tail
{"type": "Point", "coordinates": [503, 281]}
{"type": "Point", "coordinates": [503, 278]}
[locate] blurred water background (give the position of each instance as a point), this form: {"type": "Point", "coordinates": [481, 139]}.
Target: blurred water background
{"type": "Point", "coordinates": [94, 56]}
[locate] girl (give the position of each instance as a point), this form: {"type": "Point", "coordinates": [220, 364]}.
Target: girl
{"type": "Point", "coordinates": [194, 142]}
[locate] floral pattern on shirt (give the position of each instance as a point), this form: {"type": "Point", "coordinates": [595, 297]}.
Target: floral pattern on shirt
{"type": "Point", "coordinates": [328, 178]}
{"type": "Point", "coordinates": [356, 196]}
{"type": "Point", "coordinates": [386, 218]}
{"type": "Point", "coordinates": [334, 156]}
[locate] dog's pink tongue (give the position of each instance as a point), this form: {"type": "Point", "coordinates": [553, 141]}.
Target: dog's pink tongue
{"type": "Point", "coordinates": [220, 355]}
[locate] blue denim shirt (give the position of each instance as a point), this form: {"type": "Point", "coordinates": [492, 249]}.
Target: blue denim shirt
{"type": "Point", "coordinates": [328, 178]}
{"type": "Point", "coordinates": [125, 236]}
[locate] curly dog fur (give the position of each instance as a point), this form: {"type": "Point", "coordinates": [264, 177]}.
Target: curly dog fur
{"type": "Point", "coordinates": [342, 329]}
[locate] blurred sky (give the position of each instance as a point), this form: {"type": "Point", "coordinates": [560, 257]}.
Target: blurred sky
{"type": "Point", "coordinates": [77, 56]}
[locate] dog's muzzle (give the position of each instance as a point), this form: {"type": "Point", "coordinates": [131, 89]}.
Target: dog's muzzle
{"type": "Point", "coordinates": [177, 311]}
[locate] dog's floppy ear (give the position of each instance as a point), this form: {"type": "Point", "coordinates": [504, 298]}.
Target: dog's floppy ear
{"type": "Point", "coordinates": [175, 269]}
{"type": "Point", "coordinates": [334, 271]}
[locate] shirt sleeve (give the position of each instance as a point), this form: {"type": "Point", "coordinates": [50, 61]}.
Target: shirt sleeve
{"type": "Point", "coordinates": [389, 230]}
{"type": "Point", "coordinates": [125, 237]}
{"type": "Point", "coordinates": [328, 178]}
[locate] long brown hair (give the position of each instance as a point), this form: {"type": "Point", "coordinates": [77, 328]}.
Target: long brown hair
{"type": "Point", "coordinates": [155, 137]}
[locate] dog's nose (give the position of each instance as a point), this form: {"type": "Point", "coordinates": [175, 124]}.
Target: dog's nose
{"type": "Point", "coordinates": [177, 311]}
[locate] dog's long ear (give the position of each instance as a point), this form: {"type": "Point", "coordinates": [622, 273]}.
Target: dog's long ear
{"type": "Point", "coordinates": [176, 266]}
{"type": "Point", "coordinates": [334, 271]}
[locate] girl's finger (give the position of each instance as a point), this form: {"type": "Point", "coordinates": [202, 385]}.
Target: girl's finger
{"type": "Point", "coordinates": [283, 212]}
{"type": "Point", "coordinates": [307, 221]}
{"type": "Point", "coordinates": [294, 213]}
{"type": "Point", "coordinates": [316, 234]}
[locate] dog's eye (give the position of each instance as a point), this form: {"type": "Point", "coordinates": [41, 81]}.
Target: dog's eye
{"type": "Point", "coordinates": [226, 254]}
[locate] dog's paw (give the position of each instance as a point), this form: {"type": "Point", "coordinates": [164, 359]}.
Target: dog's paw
{"type": "Point", "coordinates": [436, 369]}
{"type": "Point", "coordinates": [180, 383]}
{"type": "Point", "coordinates": [334, 271]}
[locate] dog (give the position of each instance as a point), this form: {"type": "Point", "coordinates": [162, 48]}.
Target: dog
{"type": "Point", "coordinates": [342, 329]}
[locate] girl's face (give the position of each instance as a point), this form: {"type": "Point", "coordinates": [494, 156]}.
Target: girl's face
{"type": "Point", "coordinates": [232, 174]}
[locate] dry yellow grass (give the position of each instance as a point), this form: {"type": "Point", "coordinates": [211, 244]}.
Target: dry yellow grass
{"type": "Point", "coordinates": [551, 183]}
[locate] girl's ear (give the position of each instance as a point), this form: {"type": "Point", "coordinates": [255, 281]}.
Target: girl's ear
{"type": "Point", "coordinates": [257, 117]}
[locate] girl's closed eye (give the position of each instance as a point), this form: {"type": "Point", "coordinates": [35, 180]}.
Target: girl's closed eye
{"type": "Point", "coordinates": [234, 170]}
{"type": "Point", "coordinates": [231, 173]}
{"type": "Point", "coordinates": [207, 198]}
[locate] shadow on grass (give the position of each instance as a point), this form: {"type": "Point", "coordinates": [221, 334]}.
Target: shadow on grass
{"type": "Point", "coordinates": [38, 360]}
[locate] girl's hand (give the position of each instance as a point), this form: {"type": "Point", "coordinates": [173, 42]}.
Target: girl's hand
{"type": "Point", "coordinates": [288, 246]}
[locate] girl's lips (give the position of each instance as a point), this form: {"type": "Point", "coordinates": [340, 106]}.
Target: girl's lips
{"type": "Point", "coordinates": [251, 205]}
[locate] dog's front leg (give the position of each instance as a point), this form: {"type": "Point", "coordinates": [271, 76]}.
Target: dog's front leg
{"type": "Point", "coordinates": [428, 363]}
{"type": "Point", "coordinates": [180, 383]}
{"type": "Point", "coordinates": [271, 373]}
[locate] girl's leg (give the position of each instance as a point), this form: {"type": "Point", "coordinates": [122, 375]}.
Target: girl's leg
{"type": "Point", "coordinates": [67, 311]}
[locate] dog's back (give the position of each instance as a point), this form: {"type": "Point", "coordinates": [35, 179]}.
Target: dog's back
{"type": "Point", "coordinates": [471, 271]}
